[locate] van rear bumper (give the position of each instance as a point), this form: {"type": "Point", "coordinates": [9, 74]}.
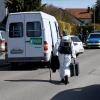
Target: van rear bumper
{"type": "Point", "coordinates": [28, 59]}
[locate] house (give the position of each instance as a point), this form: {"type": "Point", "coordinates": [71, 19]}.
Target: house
{"type": "Point", "coordinates": [2, 10]}
{"type": "Point", "coordinates": [81, 14]}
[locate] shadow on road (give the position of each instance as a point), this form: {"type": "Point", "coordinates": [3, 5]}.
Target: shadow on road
{"type": "Point", "coordinates": [85, 93]}
{"type": "Point", "coordinates": [23, 67]}
{"type": "Point", "coordinates": [55, 82]}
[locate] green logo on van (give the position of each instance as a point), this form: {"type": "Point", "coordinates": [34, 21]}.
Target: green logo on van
{"type": "Point", "coordinates": [36, 41]}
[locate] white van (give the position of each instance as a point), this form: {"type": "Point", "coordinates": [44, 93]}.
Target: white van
{"type": "Point", "coordinates": [31, 36]}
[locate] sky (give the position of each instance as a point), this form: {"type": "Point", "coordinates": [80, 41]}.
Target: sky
{"type": "Point", "coordinates": [71, 3]}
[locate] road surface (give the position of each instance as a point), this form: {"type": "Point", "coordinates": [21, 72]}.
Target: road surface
{"type": "Point", "coordinates": [34, 84]}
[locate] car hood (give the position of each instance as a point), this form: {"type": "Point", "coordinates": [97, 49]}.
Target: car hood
{"type": "Point", "coordinates": [93, 40]}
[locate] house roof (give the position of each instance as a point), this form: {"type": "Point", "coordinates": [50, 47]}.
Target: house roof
{"type": "Point", "coordinates": [80, 13]}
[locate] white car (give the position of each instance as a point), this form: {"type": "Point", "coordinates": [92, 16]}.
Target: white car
{"type": "Point", "coordinates": [78, 44]}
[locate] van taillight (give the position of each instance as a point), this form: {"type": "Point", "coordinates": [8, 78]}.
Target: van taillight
{"type": "Point", "coordinates": [45, 46]}
{"type": "Point", "coordinates": [2, 42]}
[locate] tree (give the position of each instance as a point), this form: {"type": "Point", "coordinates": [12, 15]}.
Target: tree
{"type": "Point", "coordinates": [15, 5]}
{"type": "Point", "coordinates": [24, 5]}
{"type": "Point", "coordinates": [59, 13]}
{"type": "Point", "coordinates": [97, 12]}
{"type": "Point", "coordinates": [33, 5]}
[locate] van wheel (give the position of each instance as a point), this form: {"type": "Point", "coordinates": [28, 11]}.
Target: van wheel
{"type": "Point", "coordinates": [77, 69]}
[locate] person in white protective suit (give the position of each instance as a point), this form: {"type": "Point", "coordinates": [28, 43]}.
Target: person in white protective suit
{"type": "Point", "coordinates": [66, 51]}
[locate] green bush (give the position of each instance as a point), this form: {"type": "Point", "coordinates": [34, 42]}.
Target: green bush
{"type": "Point", "coordinates": [66, 26]}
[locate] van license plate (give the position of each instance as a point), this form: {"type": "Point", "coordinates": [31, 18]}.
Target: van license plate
{"type": "Point", "coordinates": [36, 41]}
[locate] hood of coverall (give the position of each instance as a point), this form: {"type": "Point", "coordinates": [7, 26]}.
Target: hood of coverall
{"type": "Point", "coordinates": [66, 39]}
{"type": "Point", "coordinates": [65, 45]}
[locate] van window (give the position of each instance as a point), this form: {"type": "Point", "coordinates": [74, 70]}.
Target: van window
{"type": "Point", "coordinates": [33, 29]}
{"type": "Point", "coordinates": [16, 30]}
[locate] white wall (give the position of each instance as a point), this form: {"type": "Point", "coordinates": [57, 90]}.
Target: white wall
{"type": "Point", "coordinates": [87, 21]}
{"type": "Point", "coordinates": [2, 10]}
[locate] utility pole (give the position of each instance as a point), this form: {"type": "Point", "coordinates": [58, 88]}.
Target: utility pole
{"type": "Point", "coordinates": [94, 17]}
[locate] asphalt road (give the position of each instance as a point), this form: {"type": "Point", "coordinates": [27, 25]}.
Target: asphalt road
{"type": "Point", "coordinates": [34, 84]}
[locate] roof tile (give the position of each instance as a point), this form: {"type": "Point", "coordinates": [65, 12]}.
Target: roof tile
{"type": "Point", "coordinates": [81, 13]}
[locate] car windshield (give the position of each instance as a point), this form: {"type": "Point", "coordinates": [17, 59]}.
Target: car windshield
{"type": "Point", "coordinates": [94, 36]}
{"type": "Point", "coordinates": [75, 39]}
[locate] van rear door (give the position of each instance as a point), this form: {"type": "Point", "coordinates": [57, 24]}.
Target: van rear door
{"type": "Point", "coordinates": [34, 36]}
{"type": "Point", "coordinates": [16, 40]}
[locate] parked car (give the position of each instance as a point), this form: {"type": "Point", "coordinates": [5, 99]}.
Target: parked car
{"type": "Point", "coordinates": [93, 40]}
{"type": "Point", "coordinates": [2, 41]}
{"type": "Point", "coordinates": [78, 44]}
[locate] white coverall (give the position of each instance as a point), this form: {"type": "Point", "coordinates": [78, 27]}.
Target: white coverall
{"type": "Point", "coordinates": [65, 59]}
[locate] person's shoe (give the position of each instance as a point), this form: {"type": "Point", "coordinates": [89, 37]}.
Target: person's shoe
{"type": "Point", "coordinates": [62, 81]}
{"type": "Point", "coordinates": [66, 80]}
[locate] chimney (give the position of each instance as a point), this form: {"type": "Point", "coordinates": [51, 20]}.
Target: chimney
{"type": "Point", "coordinates": [88, 9]}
